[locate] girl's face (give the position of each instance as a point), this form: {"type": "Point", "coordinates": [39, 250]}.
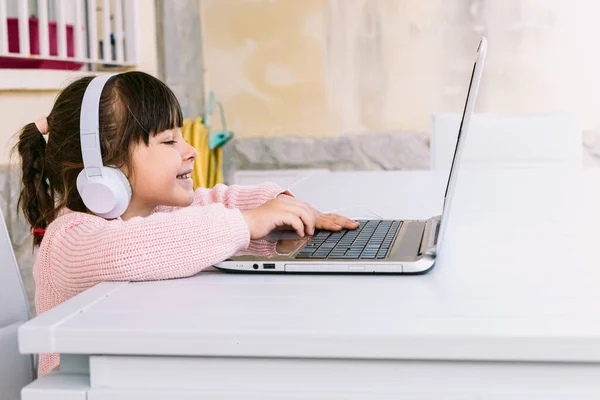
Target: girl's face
{"type": "Point", "coordinates": [161, 174]}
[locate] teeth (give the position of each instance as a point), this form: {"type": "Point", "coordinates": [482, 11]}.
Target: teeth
{"type": "Point", "coordinates": [184, 176]}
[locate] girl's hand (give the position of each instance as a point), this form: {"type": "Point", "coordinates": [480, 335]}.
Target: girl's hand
{"type": "Point", "coordinates": [286, 211]}
{"type": "Point", "coordinates": [329, 221]}
{"type": "Point", "coordinates": [334, 222]}
{"type": "Point", "coordinates": [282, 211]}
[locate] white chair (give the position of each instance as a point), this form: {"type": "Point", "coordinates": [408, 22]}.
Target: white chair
{"type": "Point", "coordinates": [496, 140]}
{"type": "Point", "coordinates": [16, 370]}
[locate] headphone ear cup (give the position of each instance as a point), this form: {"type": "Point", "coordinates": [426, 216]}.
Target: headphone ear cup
{"type": "Point", "coordinates": [124, 182]}
{"type": "Point", "coordinates": [108, 195]}
{"type": "Point", "coordinates": [81, 184]}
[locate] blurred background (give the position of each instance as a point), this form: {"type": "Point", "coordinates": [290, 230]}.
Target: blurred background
{"type": "Point", "coordinates": [319, 85]}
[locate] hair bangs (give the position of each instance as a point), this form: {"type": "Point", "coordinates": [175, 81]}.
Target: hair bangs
{"type": "Point", "coordinates": [151, 103]}
{"type": "Point", "coordinates": [166, 111]}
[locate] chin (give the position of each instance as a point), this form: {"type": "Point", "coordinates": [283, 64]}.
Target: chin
{"type": "Point", "coordinates": [181, 198]}
{"type": "Point", "coordinates": [189, 200]}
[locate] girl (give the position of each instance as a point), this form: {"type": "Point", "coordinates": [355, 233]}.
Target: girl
{"type": "Point", "coordinates": [167, 230]}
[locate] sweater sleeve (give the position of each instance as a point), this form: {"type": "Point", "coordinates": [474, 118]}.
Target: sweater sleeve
{"type": "Point", "coordinates": [234, 196]}
{"type": "Point", "coordinates": [86, 250]}
{"type": "Point", "coordinates": [237, 196]}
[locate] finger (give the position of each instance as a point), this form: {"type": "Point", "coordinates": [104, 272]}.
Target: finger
{"type": "Point", "coordinates": [325, 223]}
{"type": "Point", "coordinates": [309, 215]}
{"type": "Point", "coordinates": [343, 221]}
{"type": "Point", "coordinates": [305, 212]}
{"type": "Point", "coordinates": [316, 214]}
{"type": "Point", "coordinates": [295, 222]}
{"type": "Point", "coordinates": [305, 206]}
{"type": "Point", "coordinates": [308, 218]}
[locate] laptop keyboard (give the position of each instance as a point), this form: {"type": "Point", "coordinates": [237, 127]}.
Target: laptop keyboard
{"type": "Point", "coordinates": [371, 240]}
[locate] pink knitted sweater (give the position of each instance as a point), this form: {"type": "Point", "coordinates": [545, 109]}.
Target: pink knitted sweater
{"type": "Point", "coordinates": [81, 250]}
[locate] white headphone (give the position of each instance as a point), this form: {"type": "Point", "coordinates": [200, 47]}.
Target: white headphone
{"type": "Point", "coordinates": [105, 191]}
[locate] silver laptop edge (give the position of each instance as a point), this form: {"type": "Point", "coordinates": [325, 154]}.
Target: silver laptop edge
{"type": "Point", "coordinates": [415, 245]}
{"type": "Point", "coordinates": [462, 133]}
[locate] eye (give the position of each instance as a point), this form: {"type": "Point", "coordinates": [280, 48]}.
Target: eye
{"type": "Point", "coordinates": [170, 142]}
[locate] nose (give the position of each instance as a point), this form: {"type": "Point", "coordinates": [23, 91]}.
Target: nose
{"type": "Point", "coordinates": [191, 153]}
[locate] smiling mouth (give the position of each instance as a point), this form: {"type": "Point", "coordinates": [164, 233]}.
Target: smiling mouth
{"type": "Point", "coordinates": [185, 175]}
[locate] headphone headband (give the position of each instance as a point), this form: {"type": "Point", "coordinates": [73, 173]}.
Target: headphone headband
{"type": "Point", "coordinates": [89, 126]}
{"type": "Point", "coordinates": [105, 191]}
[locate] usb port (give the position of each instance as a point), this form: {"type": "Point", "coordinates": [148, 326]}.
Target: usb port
{"type": "Point", "coordinates": [269, 266]}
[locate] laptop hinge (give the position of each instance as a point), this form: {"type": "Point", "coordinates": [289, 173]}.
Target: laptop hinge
{"type": "Point", "coordinates": [430, 235]}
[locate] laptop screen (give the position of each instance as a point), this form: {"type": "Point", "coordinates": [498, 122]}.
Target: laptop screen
{"type": "Point", "coordinates": [462, 131]}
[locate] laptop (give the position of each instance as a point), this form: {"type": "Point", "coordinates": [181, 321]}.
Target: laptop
{"type": "Point", "coordinates": [376, 246]}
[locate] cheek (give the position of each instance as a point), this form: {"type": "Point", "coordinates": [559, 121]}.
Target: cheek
{"type": "Point", "coordinates": [153, 173]}
{"type": "Point", "coordinates": [159, 176]}
{"type": "Point", "coordinates": [142, 181]}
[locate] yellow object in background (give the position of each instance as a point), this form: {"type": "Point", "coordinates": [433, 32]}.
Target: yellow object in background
{"type": "Point", "coordinates": [208, 167]}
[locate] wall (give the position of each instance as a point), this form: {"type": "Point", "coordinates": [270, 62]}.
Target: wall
{"type": "Point", "coordinates": [327, 67]}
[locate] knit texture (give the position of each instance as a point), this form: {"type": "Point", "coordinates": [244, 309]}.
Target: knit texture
{"type": "Point", "coordinates": [80, 250]}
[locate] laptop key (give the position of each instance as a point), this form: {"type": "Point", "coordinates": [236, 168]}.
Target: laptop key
{"type": "Point", "coordinates": [307, 250]}
{"type": "Point", "coordinates": [348, 257]}
{"type": "Point", "coordinates": [304, 255]}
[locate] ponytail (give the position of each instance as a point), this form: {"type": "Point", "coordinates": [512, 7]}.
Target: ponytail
{"type": "Point", "coordinates": [36, 198]}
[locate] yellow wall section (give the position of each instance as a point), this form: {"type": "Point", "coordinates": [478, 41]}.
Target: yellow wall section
{"type": "Point", "coordinates": [266, 64]}
{"type": "Point", "coordinates": [326, 67]}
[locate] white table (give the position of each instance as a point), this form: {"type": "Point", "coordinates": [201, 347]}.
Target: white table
{"type": "Point", "coordinates": [511, 310]}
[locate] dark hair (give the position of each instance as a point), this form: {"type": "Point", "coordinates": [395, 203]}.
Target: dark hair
{"type": "Point", "coordinates": [133, 107]}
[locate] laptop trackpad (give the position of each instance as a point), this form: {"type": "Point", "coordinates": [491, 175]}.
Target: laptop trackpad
{"type": "Point", "coordinates": [287, 241]}
{"type": "Point", "coordinates": [283, 235]}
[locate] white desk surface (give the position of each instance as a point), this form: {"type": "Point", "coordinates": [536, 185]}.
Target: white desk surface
{"type": "Point", "coordinates": [518, 280]}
